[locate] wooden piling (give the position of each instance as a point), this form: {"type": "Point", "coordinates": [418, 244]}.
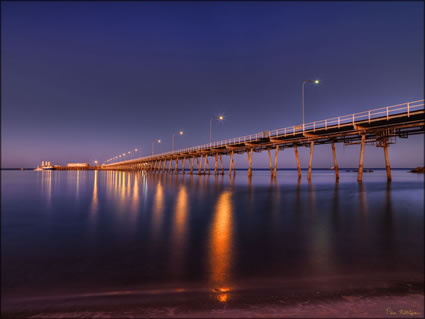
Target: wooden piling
{"type": "Point", "coordinates": [387, 162]}
{"type": "Point", "coordinates": [221, 165]}
{"type": "Point", "coordinates": [335, 162]}
{"type": "Point", "coordinates": [249, 153]}
{"type": "Point", "coordinates": [231, 166]}
{"type": "Point", "coordinates": [298, 161]}
{"type": "Point", "coordinates": [270, 162]}
{"type": "Point", "coordinates": [215, 164]}
{"type": "Point", "coordinates": [360, 173]}
{"type": "Point", "coordinates": [275, 160]}
{"type": "Point", "coordinates": [191, 165]}
{"type": "Point", "coordinates": [206, 165]}
{"type": "Point", "coordinates": [183, 164]}
{"type": "Point", "coordinates": [199, 166]}
{"type": "Point", "coordinates": [310, 162]}
{"type": "Point", "coordinates": [176, 166]}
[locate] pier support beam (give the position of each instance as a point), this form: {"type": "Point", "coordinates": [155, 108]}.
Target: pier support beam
{"type": "Point", "coordinates": [191, 165]}
{"type": "Point", "coordinates": [221, 165]}
{"type": "Point", "coordinates": [176, 166]}
{"type": "Point", "coordinates": [232, 165]}
{"type": "Point", "coordinates": [273, 170]}
{"type": "Point", "coordinates": [310, 162]}
{"type": "Point", "coordinates": [183, 164]}
{"type": "Point", "coordinates": [249, 153]}
{"type": "Point", "coordinates": [335, 162]}
{"type": "Point", "coordinates": [215, 164]}
{"type": "Point", "coordinates": [360, 173]}
{"type": "Point", "coordinates": [199, 165]}
{"type": "Point", "coordinates": [169, 166]}
{"type": "Point", "coordinates": [206, 164]}
{"type": "Point", "coordinates": [387, 162]}
{"type": "Point", "coordinates": [298, 161]}
{"type": "Point", "coordinates": [270, 162]}
{"type": "Point", "coordinates": [275, 160]}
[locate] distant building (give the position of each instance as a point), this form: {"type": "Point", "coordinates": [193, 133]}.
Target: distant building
{"type": "Point", "coordinates": [77, 165]}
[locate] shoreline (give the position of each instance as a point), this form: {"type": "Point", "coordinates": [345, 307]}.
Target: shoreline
{"type": "Point", "coordinates": [360, 297]}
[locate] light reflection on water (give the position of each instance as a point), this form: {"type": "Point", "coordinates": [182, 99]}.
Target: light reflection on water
{"type": "Point", "coordinates": [214, 231]}
{"type": "Point", "coordinates": [221, 240]}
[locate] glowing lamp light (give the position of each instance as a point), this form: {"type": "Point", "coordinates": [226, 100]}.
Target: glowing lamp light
{"type": "Point", "coordinates": [159, 141]}
{"type": "Point", "coordinates": [181, 132]}
{"type": "Point", "coordinates": [316, 81]}
{"type": "Point", "coordinates": [221, 117]}
{"type": "Point", "coordinates": [135, 149]}
{"type": "Point", "coordinates": [129, 152]}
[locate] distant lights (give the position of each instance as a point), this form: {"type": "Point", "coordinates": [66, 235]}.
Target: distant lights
{"type": "Point", "coordinates": [316, 82]}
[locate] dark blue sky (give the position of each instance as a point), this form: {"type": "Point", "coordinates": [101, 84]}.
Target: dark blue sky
{"type": "Point", "coordinates": [84, 81]}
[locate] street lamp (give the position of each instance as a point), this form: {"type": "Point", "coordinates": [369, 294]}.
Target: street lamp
{"type": "Point", "coordinates": [307, 81]}
{"type": "Point", "coordinates": [180, 133]}
{"type": "Point", "coordinates": [153, 143]}
{"type": "Point", "coordinates": [219, 118]}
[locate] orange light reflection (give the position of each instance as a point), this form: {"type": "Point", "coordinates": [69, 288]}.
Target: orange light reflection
{"type": "Point", "coordinates": [221, 240]}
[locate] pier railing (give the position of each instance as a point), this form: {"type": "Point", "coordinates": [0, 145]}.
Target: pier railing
{"type": "Point", "coordinates": [311, 127]}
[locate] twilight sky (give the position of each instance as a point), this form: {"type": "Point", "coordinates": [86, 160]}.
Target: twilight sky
{"type": "Point", "coordinates": [84, 81]}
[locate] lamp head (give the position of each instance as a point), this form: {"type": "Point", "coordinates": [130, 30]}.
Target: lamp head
{"type": "Point", "coordinates": [159, 141]}
{"type": "Point", "coordinates": [316, 81]}
{"type": "Point", "coordinates": [181, 132]}
{"type": "Point", "coordinates": [221, 117]}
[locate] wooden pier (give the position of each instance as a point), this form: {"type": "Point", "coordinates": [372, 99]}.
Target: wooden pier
{"type": "Point", "coordinates": [379, 126]}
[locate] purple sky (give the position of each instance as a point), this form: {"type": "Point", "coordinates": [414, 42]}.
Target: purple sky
{"type": "Point", "coordinates": [84, 81]}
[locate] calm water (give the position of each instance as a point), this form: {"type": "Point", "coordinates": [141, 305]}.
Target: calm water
{"type": "Point", "coordinates": [71, 232]}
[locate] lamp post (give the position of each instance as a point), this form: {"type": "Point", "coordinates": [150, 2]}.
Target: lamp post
{"type": "Point", "coordinates": [180, 133]}
{"type": "Point", "coordinates": [153, 143]}
{"type": "Point", "coordinates": [307, 81]}
{"type": "Point", "coordinates": [219, 118]}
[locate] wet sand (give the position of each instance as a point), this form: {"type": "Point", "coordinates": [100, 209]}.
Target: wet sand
{"type": "Point", "coordinates": [362, 297]}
